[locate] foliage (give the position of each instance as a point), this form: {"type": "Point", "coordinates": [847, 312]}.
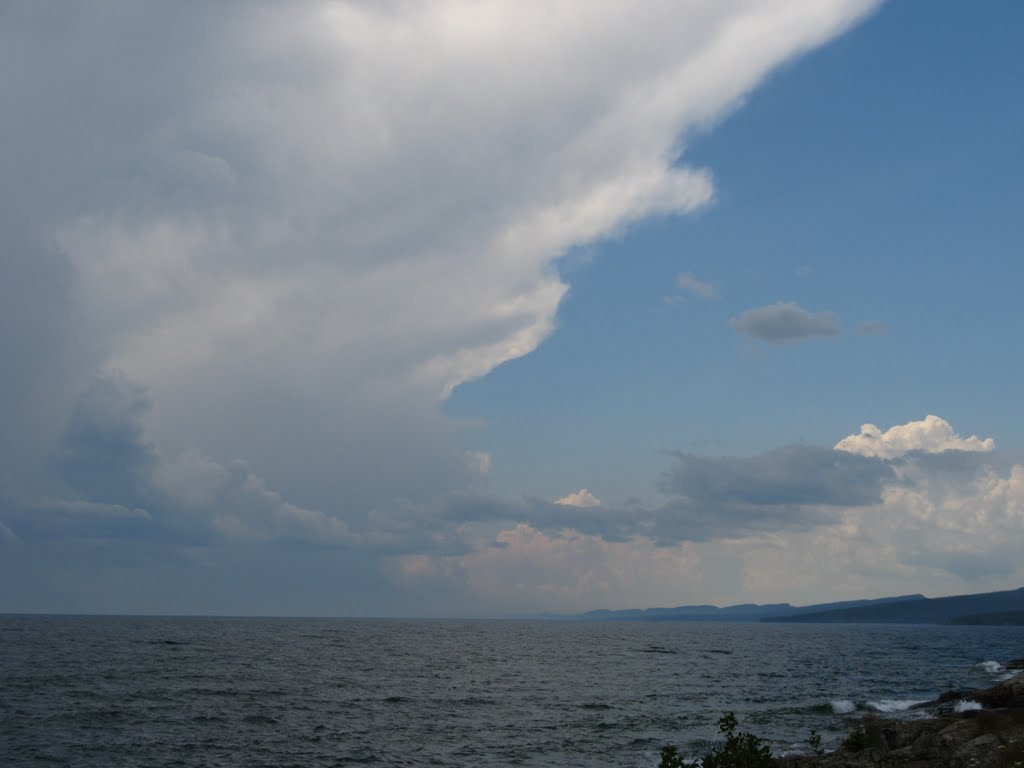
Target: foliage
{"type": "Point", "coordinates": [670, 758]}
{"type": "Point", "coordinates": [739, 750]}
{"type": "Point", "coordinates": [814, 742]}
{"type": "Point", "coordinates": [856, 741]}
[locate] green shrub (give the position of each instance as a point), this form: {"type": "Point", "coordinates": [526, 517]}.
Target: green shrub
{"type": "Point", "coordinates": [739, 750]}
{"type": "Point", "coordinates": [857, 741]}
{"type": "Point", "coordinates": [814, 742]}
{"type": "Point", "coordinates": [670, 758]}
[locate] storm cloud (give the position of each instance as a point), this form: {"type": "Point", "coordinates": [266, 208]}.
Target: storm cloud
{"type": "Point", "coordinates": [248, 250]}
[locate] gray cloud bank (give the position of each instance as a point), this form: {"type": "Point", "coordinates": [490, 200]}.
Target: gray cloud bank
{"type": "Point", "coordinates": [951, 503]}
{"type": "Point", "coordinates": [791, 488]}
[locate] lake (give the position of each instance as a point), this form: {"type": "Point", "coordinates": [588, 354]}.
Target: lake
{"type": "Point", "coordinates": [133, 691]}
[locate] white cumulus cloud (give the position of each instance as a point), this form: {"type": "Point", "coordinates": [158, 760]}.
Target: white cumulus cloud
{"type": "Point", "coordinates": [930, 435]}
{"type": "Point", "coordinates": [582, 498]}
{"type": "Point", "coordinates": [479, 461]}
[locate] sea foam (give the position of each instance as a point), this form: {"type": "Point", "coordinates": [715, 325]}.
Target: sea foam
{"type": "Point", "coordinates": [894, 705]}
{"type": "Point", "coordinates": [1000, 672]}
{"type": "Point", "coordinates": [966, 706]}
{"type": "Point", "coordinates": [843, 706]}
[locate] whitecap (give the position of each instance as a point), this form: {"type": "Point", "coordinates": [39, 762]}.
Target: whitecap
{"type": "Point", "coordinates": [843, 706]}
{"type": "Point", "coordinates": [992, 667]}
{"type": "Point", "coordinates": [894, 705]}
{"type": "Point", "coordinates": [966, 706]}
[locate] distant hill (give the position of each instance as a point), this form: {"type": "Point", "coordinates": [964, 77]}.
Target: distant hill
{"type": "Point", "coordinates": [989, 608]}
{"type": "Point", "coordinates": [919, 610]}
{"type": "Point", "coordinates": [743, 612]}
{"type": "Point", "coordinates": [1002, 619]}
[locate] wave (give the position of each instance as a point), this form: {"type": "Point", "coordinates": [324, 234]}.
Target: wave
{"type": "Point", "coordinates": [162, 642]}
{"type": "Point", "coordinates": [992, 667]}
{"type": "Point", "coordinates": [894, 705]}
{"type": "Point", "coordinates": [966, 706]}
{"type": "Point", "coordinates": [891, 706]}
{"type": "Point", "coordinates": [259, 720]}
{"type": "Point", "coordinates": [843, 706]}
{"type": "Point", "coordinates": [996, 669]}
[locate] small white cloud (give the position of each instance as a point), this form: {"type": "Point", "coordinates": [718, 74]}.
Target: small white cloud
{"type": "Point", "coordinates": [785, 321]}
{"type": "Point", "coordinates": [871, 328]}
{"type": "Point", "coordinates": [697, 287]}
{"type": "Point", "coordinates": [479, 462]}
{"type": "Point", "coordinates": [582, 498]}
{"type": "Point", "coordinates": [932, 435]}
{"type": "Point", "coordinates": [6, 534]}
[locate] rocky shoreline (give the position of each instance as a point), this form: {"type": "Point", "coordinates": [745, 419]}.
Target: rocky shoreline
{"type": "Point", "coordinates": [966, 729]}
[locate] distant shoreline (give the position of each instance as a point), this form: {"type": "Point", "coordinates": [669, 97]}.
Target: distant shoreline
{"type": "Point", "coordinates": [1003, 608]}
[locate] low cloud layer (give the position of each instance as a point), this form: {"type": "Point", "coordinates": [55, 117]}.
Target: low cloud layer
{"type": "Point", "coordinates": [939, 512]}
{"type": "Point", "coordinates": [785, 322]}
{"type": "Point", "coordinates": [915, 501]}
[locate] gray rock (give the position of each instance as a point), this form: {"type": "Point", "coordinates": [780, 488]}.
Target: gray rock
{"type": "Point", "coordinates": [988, 738]}
{"type": "Point", "coordinates": [985, 751]}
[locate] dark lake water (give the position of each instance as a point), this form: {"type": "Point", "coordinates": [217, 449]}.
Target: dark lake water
{"type": "Point", "coordinates": [94, 691]}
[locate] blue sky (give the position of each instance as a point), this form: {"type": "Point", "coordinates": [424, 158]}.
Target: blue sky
{"type": "Point", "coordinates": [473, 308]}
{"type": "Point", "coordinates": [879, 178]}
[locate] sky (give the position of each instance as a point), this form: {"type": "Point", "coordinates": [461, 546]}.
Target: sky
{"type": "Point", "coordinates": [492, 308]}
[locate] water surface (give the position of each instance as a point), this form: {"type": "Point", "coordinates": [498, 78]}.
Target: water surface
{"type": "Point", "coordinates": [104, 691]}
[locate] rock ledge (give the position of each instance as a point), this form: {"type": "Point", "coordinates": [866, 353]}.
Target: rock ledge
{"type": "Point", "coordinates": [991, 737]}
